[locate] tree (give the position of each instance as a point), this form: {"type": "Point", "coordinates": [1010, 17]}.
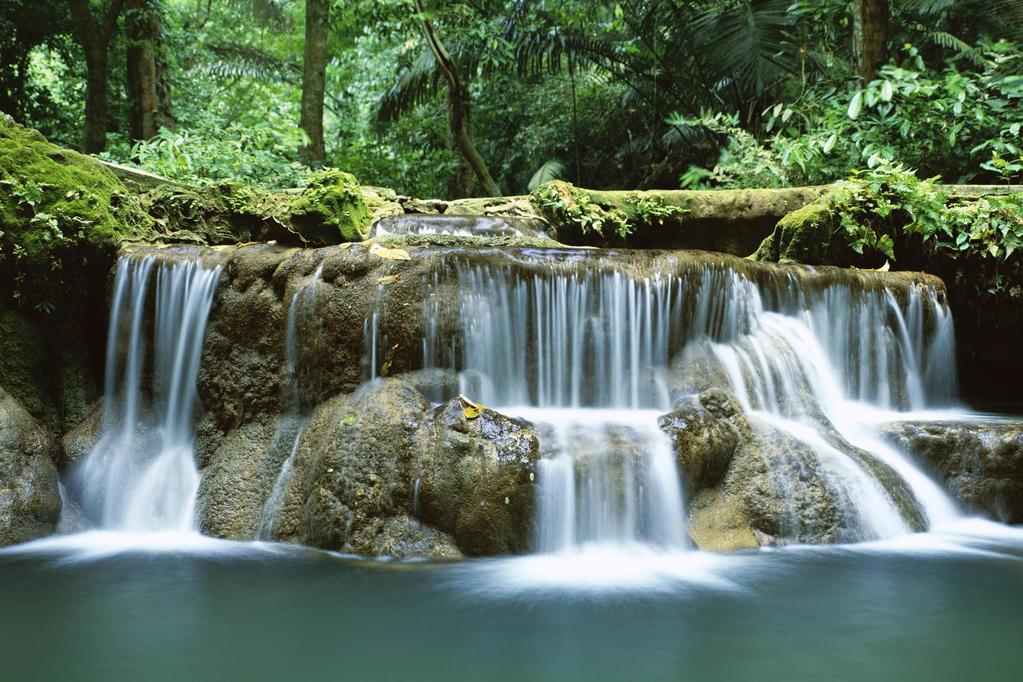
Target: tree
{"type": "Point", "coordinates": [148, 91]}
{"type": "Point", "coordinates": [94, 35]}
{"type": "Point", "coordinates": [458, 105]}
{"type": "Point", "coordinates": [314, 76]}
{"type": "Point", "coordinates": [870, 31]}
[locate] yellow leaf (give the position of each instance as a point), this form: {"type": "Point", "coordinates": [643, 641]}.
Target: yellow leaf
{"type": "Point", "coordinates": [390, 279]}
{"type": "Point", "coordinates": [471, 410]}
{"type": "Point", "coordinates": [390, 254]}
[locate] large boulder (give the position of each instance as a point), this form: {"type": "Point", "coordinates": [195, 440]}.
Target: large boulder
{"type": "Point", "coordinates": [476, 478]}
{"type": "Point", "coordinates": [981, 462]}
{"type": "Point", "coordinates": [750, 483]}
{"type": "Point", "coordinates": [29, 495]}
{"type": "Point", "coordinates": [353, 473]}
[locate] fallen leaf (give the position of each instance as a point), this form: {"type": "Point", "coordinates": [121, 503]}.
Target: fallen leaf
{"type": "Point", "coordinates": [390, 279]}
{"type": "Point", "coordinates": [471, 410]}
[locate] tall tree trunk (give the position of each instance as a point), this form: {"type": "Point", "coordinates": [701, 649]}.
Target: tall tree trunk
{"type": "Point", "coordinates": [314, 76]}
{"type": "Point", "coordinates": [458, 107]}
{"type": "Point", "coordinates": [94, 36]}
{"type": "Point", "coordinates": [870, 33]}
{"type": "Point", "coordinates": [96, 82]}
{"type": "Point", "coordinates": [148, 93]}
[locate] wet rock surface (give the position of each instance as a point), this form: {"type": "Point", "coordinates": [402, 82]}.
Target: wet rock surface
{"type": "Point", "coordinates": [981, 463]}
{"type": "Point", "coordinates": [29, 496]}
{"type": "Point", "coordinates": [477, 478]}
{"type": "Point", "coordinates": [751, 484]}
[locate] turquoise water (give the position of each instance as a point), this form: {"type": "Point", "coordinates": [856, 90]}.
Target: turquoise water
{"type": "Point", "coordinates": [934, 607]}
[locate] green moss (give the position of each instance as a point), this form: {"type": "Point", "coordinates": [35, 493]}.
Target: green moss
{"type": "Point", "coordinates": [613, 217]}
{"type": "Point", "coordinates": [57, 207]}
{"type": "Point", "coordinates": [331, 205]}
{"type": "Point", "coordinates": [803, 236]}
{"type": "Point", "coordinates": [573, 213]}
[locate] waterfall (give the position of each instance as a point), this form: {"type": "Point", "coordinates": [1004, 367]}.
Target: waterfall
{"type": "Point", "coordinates": [583, 347]}
{"type": "Point", "coordinates": [607, 476]}
{"type": "Point", "coordinates": [141, 474]}
{"type": "Point", "coordinates": [581, 355]}
{"type": "Point", "coordinates": [296, 383]}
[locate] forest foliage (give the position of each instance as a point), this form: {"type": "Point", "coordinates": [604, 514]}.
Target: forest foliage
{"type": "Point", "coordinates": [629, 94]}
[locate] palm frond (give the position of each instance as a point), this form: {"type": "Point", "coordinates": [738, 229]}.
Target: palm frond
{"type": "Point", "coordinates": [551, 170]}
{"type": "Point", "coordinates": [245, 61]}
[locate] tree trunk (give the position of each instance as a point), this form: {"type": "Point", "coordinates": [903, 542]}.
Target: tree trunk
{"type": "Point", "coordinates": [94, 37]}
{"type": "Point", "coordinates": [148, 93]}
{"type": "Point", "coordinates": [96, 76]}
{"type": "Point", "coordinates": [870, 33]}
{"type": "Point", "coordinates": [314, 76]}
{"type": "Point", "coordinates": [458, 108]}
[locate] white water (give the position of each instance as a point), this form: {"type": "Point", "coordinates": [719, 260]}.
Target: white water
{"type": "Point", "coordinates": [839, 352]}
{"type": "Point", "coordinates": [807, 356]}
{"type": "Point", "coordinates": [460, 226]}
{"type": "Point", "coordinates": [141, 475]}
{"type": "Point", "coordinates": [607, 476]}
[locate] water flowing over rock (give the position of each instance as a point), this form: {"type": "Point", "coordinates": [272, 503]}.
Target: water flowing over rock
{"type": "Point", "coordinates": [441, 400]}
{"type": "Point", "coordinates": [30, 501]}
{"type": "Point", "coordinates": [141, 474]}
{"type": "Point", "coordinates": [981, 462]}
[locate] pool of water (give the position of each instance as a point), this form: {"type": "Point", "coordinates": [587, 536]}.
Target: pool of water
{"type": "Point", "coordinates": [940, 606]}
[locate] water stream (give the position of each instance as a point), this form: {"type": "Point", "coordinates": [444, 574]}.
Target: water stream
{"type": "Point", "coordinates": [141, 475]}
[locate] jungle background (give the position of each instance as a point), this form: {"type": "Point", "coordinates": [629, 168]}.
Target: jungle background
{"type": "Point", "coordinates": [484, 97]}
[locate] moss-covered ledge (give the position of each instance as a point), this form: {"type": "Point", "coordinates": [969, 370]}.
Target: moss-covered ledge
{"type": "Point", "coordinates": [728, 221]}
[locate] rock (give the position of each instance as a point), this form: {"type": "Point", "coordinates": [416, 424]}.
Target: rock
{"type": "Point", "coordinates": [981, 462]}
{"type": "Point", "coordinates": [353, 467]}
{"type": "Point", "coordinates": [706, 432]}
{"type": "Point", "coordinates": [80, 440]}
{"type": "Point", "coordinates": [476, 479]}
{"type": "Point", "coordinates": [403, 537]}
{"type": "Point", "coordinates": [241, 472]}
{"type": "Point", "coordinates": [727, 221]}
{"type": "Point", "coordinates": [29, 494]}
{"type": "Point", "coordinates": [749, 483]}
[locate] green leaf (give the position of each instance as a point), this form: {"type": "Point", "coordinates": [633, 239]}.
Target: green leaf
{"type": "Point", "coordinates": [829, 144]}
{"type": "Point", "coordinates": [856, 105]}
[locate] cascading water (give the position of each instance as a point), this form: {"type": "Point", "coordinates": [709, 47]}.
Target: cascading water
{"type": "Point", "coordinates": [836, 352]}
{"type": "Point", "coordinates": [303, 307]}
{"type": "Point", "coordinates": [585, 346]}
{"type": "Point", "coordinates": [582, 354]}
{"type": "Point", "coordinates": [141, 475]}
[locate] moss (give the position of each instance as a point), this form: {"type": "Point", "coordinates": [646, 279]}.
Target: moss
{"type": "Point", "coordinates": [57, 208]}
{"type": "Point", "coordinates": [219, 213]}
{"type": "Point", "coordinates": [803, 236]}
{"type": "Point", "coordinates": [723, 220]}
{"type": "Point", "coordinates": [331, 205]}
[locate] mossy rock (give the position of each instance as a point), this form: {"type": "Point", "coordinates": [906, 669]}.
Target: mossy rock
{"type": "Point", "coordinates": [728, 221]}
{"type": "Point", "coordinates": [331, 206]}
{"type": "Point", "coordinates": [803, 236]}
{"type": "Point", "coordinates": [58, 210]}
